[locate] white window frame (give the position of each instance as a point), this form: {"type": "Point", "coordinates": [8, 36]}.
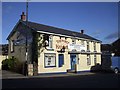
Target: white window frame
{"type": "Point", "coordinates": [49, 63]}
{"type": "Point", "coordinates": [82, 42]}
{"type": "Point", "coordinates": [73, 41]}
{"type": "Point", "coordinates": [12, 45]}
{"type": "Point", "coordinates": [94, 45]}
{"type": "Point", "coordinates": [88, 46]}
{"type": "Point", "coordinates": [50, 42]}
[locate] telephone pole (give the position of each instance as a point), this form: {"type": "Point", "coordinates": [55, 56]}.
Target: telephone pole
{"type": "Point", "coordinates": [26, 31]}
{"type": "Point", "coordinates": [26, 42]}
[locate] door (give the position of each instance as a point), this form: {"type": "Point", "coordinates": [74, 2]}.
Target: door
{"type": "Point", "coordinates": [61, 60]}
{"type": "Point", "coordinates": [73, 61]}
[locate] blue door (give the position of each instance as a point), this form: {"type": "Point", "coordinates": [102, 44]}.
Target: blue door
{"type": "Point", "coordinates": [61, 60]}
{"type": "Point", "coordinates": [73, 61]}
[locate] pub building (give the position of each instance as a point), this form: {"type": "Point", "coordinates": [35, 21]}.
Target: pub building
{"type": "Point", "coordinates": [54, 50]}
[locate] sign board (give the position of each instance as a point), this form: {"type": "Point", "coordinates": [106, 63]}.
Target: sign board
{"type": "Point", "coordinates": [76, 47]}
{"type": "Point", "coordinates": [61, 43]}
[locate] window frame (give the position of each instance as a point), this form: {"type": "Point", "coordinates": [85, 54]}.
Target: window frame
{"type": "Point", "coordinates": [73, 39]}
{"type": "Point", "coordinates": [88, 46]}
{"type": "Point", "coordinates": [94, 45]}
{"type": "Point", "coordinates": [82, 42]}
{"type": "Point", "coordinates": [45, 54]}
{"type": "Point", "coordinates": [11, 46]}
{"type": "Point", "coordinates": [95, 59]}
{"type": "Point", "coordinates": [50, 42]}
{"type": "Point", "coordinates": [88, 60]}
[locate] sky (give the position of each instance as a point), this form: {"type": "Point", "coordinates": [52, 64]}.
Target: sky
{"type": "Point", "coordinates": [97, 19]}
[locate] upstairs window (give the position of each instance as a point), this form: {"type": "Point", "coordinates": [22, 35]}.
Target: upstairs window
{"type": "Point", "coordinates": [50, 41]}
{"type": "Point", "coordinates": [94, 46]}
{"type": "Point", "coordinates": [82, 42]}
{"type": "Point", "coordinates": [88, 48]}
{"type": "Point", "coordinates": [12, 45]}
{"type": "Point", "coordinates": [73, 41]}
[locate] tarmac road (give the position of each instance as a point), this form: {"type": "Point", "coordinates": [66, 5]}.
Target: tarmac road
{"type": "Point", "coordinates": [99, 80]}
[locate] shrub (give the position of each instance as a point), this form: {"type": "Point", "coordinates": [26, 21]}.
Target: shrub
{"type": "Point", "coordinates": [12, 64]}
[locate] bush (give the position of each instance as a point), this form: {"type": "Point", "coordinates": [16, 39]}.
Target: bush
{"type": "Point", "coordinates": [11, 64]}
{"type": "Point", "coordinates": [5, 64]}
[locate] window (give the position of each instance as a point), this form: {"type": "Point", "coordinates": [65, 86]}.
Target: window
{"type": "Point", "coordinates": [50, 60]}
{"type": "Point", "coordinates": [88, 60]}
{"type": "Point", "coordinates": [94, 46]}
{"type": "Point", "coordinates": [12, 46]}
{"type": "Point", "coordinates": [50, 41]}
{"type": "Point", "coordinates": [82, 42]}
{"type": "Point", "coordinates": [73, 41]}
{"type": "Point", "coordinates": [88, 49]}
{"type": "Point", "coordinates": [60, 37]}
{"type": "Point", "coordinates": [65, 38]}
{"type": "Point", "coordinates": [95, 59]}
{"type": "Point", "coordinates": [61, 60]}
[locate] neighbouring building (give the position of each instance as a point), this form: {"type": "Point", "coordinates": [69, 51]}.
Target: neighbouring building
{"type": "Point", "coordinates": [106, 56]}
{"type": "Point", "coordinates": [54, 50]}
{"type": "Point", "coordinates": [3, 53]}
{"type": "Point", "coordinates": [115, 47]}
{"type": "Point", "coordinates": [108, 51]}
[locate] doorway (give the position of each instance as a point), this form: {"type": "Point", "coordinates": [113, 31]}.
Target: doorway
{"type": "Point", "coordinates": [73, 61]}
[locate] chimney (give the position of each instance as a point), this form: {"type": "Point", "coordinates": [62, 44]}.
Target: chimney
{"type": "Point", "coordinates": [23, 16]}
{"type": "Point", "coordinates": [82, 31]}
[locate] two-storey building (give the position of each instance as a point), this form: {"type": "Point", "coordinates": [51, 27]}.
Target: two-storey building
{"type": "Point", "coordinates": [53, 49]}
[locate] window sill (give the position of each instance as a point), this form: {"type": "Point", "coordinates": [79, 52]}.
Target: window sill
{"type": "Point", "coordinates": [50, 49]}
{"type": "Point", "coordinates": [12, 51]}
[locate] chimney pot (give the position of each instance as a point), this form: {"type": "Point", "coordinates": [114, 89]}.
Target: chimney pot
{"type": "Point", "coordinates": [82, 31]}
{"type": "Point", "coordinates": [23, 16]}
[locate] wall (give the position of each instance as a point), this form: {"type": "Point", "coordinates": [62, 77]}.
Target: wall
{"type": "Point", "coordinates": [1, 59]}
{"type": "Point", "coordinates": [20, 48]}
{"type": "Point", "coordinates": [81, 64]}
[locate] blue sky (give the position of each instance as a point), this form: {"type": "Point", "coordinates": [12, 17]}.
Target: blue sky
{"type": "Point", "coordinates": [97, 19]}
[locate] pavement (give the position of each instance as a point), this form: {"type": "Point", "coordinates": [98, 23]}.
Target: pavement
{"type": "Point", "coordinates": [12, 75]}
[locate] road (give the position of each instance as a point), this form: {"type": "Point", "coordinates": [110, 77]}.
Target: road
{"type": "Point", "coordinates": [101, 80]}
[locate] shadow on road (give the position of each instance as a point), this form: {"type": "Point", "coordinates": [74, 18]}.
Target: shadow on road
{"type": "Point", "coordinates": [98, 80]}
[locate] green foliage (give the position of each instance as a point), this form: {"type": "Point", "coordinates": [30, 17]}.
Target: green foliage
{"type": "Point", "coordinates": [10, 64]}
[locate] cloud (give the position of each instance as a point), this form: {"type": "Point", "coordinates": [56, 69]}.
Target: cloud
{"type": "Point", "coordinates": [112, 36]}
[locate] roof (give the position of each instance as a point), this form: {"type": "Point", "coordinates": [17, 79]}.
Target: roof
{"type": "Point", "coordinates": [106, 47]}
{"type": "Point", "coordinates": [116, 42]}
{"type": "Point", "coordinates": [50, 29]}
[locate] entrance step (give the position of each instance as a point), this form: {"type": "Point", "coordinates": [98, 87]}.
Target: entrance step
{"type": "Point", "coordinates": [71, 71]}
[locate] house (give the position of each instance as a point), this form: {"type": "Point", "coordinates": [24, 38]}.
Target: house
{"type": "Point", "coordinates": [52, 49]}
{"type": "Point", "coordinates": [3, 53]}
{"type": "Point", "coordinates": [106, 56]}
{"type": "Point", "coordinates": [108, 52]}
{"type": "Point", "coordinates": [115, 47]}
